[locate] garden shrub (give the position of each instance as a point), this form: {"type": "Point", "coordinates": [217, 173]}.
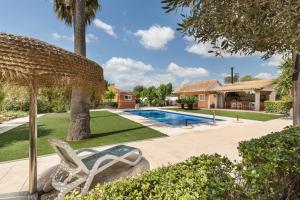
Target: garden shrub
{"type": "Point", "coordinates": [190, 101]}
{"type": "Point", "coordinates": [113, 104]}
{"type": "Point", "coordinates": [271, 165]}
{"type": "Point", "coordinates": [10, 104]}
{"type": "Point", "coordinates": [49, 99]}
{"type": "Point", "coordinates": [9, 115]}
{"type": "Point", "coordinates": [43, 104]}
{"type": "Point", "coordinates": [58, 106]}
{"type": "Point", "coordinates": [158, 102]}
{"type": "Point", "coordinates": [281, 107]}
{"type": "Point", "coordinates": [15, 98]}
{"type": "Point", "coordinates": [181, 103]}
{"type": "Point", "coordinates": [269, 170]}
{"type": "Point", "coordinates": [202, 177]}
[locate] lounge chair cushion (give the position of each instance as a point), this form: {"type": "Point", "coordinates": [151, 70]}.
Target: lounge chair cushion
{"type": "Point", "coordinates": [119, 151]}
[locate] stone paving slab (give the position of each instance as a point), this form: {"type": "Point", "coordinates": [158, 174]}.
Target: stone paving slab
{"type": "Point", "coordinates": [6, 126]}
{"type": "Point", "coordinates": [158, 151]}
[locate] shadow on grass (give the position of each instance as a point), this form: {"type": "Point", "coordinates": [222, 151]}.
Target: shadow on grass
{"type": "Point", "coordinates": [20, 134]}
{"type": "Point", "coordinates": [96, 135]}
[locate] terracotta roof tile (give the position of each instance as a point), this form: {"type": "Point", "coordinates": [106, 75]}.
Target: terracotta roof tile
{"type": "Point", "coordinates": [247, 85]}
{"type": "Point", "coordinates": [201, 86]}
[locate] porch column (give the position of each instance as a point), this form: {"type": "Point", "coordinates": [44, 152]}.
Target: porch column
{"type": "Point", "coordinates": [221, 99]}
{"type": "Point", "coordinates": [257, 100]}
{"type": "Point", "coordinates": [208, 101]}
{"type": "Point", "coordinates": [216, 100]}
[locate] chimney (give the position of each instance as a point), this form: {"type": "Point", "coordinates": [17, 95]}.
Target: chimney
{"type": "Point", "coordinates": [232, 80]}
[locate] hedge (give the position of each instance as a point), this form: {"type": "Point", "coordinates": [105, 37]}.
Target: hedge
{"type": "Point", "coordinates": [270, 169]}
{"type": "Point", "coordinates": [271, 165]}
{"type": "Point", "coordinates": [281, 107]}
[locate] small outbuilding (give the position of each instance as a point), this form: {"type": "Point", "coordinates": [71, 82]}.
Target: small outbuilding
{"type": "Point", "coordinates": [124, 99]}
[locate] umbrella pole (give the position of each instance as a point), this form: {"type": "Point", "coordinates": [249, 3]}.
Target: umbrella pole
{"type": "Point", "coordinates": [32, 137]}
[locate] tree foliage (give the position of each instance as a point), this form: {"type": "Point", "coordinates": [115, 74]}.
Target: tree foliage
{"type": "Point", "coordinates": [150, 94]}
{"type": "Point", "coordinates": [155, 96]}
{"type": "Point", "coordinates": [245, 27]}
{"type": "Point", "coordinates": [137, 91]}
{"type": "Point", "coordinates": [236, 78]}
{"type": "Point", "coordinates": [109, 95]}
{"type": "Point", "coordinates": [284, 82]}
{"type": "Point", "coordinates": [65, 10]}
{"type": "Point", "coordinates": [247, 78]}
{"type": "Point", "coordinates": [237, 26]}
{"type": "Point", "coordinates": [16, 98]}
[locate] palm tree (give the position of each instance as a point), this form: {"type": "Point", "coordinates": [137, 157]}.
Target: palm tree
{"type": "Point", "coordinates": [78, 13]}
{"type": "Point", "coordinates": [284, 82]}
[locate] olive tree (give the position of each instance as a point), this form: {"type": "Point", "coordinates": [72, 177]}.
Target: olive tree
{"type": "Point", "coordinates": [245, 27]}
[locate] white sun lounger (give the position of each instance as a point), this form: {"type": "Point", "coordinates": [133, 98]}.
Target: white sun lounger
{"type": "Point", "coordinates": [75, 170]}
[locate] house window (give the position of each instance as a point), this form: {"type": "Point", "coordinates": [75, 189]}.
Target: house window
{"type": "Point", "coordinates": [128, 97]}
{"type": "Point", "coordinates": [201, 97]}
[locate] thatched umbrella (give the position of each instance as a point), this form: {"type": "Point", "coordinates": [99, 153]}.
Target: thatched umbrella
{"type": "Point", "coordinates": [29, 62]}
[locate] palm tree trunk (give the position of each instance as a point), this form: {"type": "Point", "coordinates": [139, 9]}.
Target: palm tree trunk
{"type": "Point", "coordinates": [80, 116]}
{"type": "Point", "coordinates": [296, 90]}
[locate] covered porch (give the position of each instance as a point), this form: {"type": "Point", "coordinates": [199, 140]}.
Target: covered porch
{"type": "Point", "coordinates": [249, 95]}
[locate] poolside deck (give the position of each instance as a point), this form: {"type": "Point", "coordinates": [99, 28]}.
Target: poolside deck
{"type": "Point", "coordinates": [178, 130]}
{"type": "Point", "coordinates": [161, 151]}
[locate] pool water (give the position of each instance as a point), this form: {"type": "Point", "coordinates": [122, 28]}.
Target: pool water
{"type": "Point", "coordinates": [170, 118]}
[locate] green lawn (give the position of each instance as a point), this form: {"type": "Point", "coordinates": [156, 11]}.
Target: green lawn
{"type": "Point", "coordinates": [229, 113]}
{"type": "Point", "coordinates": [106, 127]}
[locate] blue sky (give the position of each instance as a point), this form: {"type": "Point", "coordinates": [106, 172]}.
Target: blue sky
{"type": "Point", "coordinates": [134, 41]}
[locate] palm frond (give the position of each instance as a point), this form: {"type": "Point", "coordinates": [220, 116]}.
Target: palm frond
{"type": "Point", "coordinates": [64, 10]}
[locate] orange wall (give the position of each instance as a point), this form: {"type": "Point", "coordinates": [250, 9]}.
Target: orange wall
{"type": "Point", "coordinates": [122, 103]}
{"type": "Point", "coordinates": [203, 104]}
{"type": "Point", "coordinates": [200, 104]}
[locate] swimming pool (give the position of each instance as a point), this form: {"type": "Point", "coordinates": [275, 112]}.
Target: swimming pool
{"type": "Point", "coordinates": [170, 118]}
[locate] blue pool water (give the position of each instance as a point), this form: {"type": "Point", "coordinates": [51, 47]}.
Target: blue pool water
{"type": "Point", "coordinates": [170, 118]}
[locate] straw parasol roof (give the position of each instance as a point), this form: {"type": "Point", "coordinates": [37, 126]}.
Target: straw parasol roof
{"type": "Point", "coordinates": [247, 85]}
{"type": "Point", "coordinates": [23, 59]}
{"type": "Point", "coordinates": [201, 86]}
{"type": "Point", "coordinates": [33, 63]}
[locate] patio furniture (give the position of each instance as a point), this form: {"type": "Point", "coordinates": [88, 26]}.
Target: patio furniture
{"type": "Point", "coordinates": [75, 170]}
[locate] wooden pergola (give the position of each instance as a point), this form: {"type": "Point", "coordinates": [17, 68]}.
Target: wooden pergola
{"type": "Point", "coordinates": [30, 62]}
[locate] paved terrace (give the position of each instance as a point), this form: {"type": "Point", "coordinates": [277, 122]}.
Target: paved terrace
{"type": "Point", "coordinates": [159, 151]}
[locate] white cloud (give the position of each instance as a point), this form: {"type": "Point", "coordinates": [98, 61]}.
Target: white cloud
{"type": "Point", "coordinates": [187, 72]}
{"type": "Point", "coordinates": [156, 37]}
{"type": "Point", "coordinates": [121, 65]}
{"type": "Point", "coordinates": [225, 74]}
{"type": "Point", "coordinates": [202, 49]}
{"type": "Point", "coordinates": [274, 61]}
{"type": "Point", "coordinates": [263, 75]}
{"type": "Point", "coordinates": [105, 27]}
{"type": "Point", "coordinates": [89, 37]}
{"type": "Point", "coordinates": [184, 82]}
{"type": "Point", "coordinates": [127, 73]}
{"type": "Point", "coordinates": [57, 36]}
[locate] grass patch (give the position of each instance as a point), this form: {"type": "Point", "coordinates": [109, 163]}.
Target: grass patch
{"type": "Point", "coordinates": [229, 113]}
{"type": "Point", "coordinates": [107, 128]}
